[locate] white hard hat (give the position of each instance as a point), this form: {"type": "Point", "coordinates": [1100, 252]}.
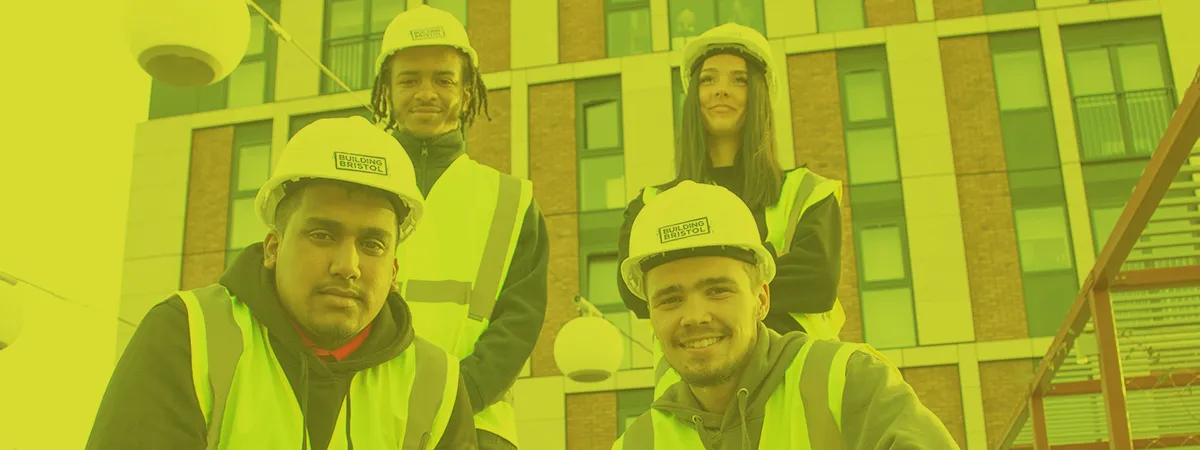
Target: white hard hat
{"type": "Point", "coordinates": [689, 220]}
{"type": "Point", "coordinates": [424, 26]}
{"type": "Point", "coordinates": [345, 149]}
{"type": "Point", "coordinates": [727, 36]}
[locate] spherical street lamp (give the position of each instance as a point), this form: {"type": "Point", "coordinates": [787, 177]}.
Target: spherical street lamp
{"type": "Point", "coordinates": [187, 43]}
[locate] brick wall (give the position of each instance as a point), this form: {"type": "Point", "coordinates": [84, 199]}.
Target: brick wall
{"type": "Point", "coordinates": [580, 30]}
{"type": "Point", "coordinates": [207, 207]}
{"type": "Point", "coordinates": [1004, 383]}
{"type": "Point", "coordinates": [881, 13]}
{"type": "Point", "coordinates": [488, 23]}
{"type": "Point", "coordinates": [989, 235]}
{"type": "Point", "coordinates": [490, 142]}
{"type": "Point", "coordinates": [591, 420]}
{"type": "Point", "coordinates": [552, 167]}
{"type": "Point", "coordinates": [817, 129]}
{"type": "Point", "coordinates": [937, 387]}
{"type": "Point", "coordinates": [953, 9]}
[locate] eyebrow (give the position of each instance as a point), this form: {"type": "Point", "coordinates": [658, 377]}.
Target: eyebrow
{"type": "Point", "coordinates": [371, 232]}
{"type": "Point", "coordinates": [414, 72]}
{"type": "Point", "coordinates": [710, 281]}
{"type": "Point", "coordinates": [713, 69]}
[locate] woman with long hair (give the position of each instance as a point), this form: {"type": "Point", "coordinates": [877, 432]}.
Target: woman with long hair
{"type": "Point", "coordinates": [726, 137]}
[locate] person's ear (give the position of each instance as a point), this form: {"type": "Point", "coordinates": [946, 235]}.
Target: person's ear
{"type": "Point", "coordinates": [271, 249]}
{"type": "Point", "coordinates": [395, 273]}
{"type": "Point", "coordinates": [764, 301]}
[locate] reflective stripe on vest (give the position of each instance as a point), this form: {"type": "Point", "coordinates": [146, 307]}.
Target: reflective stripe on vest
{"type": "Point", "coordinates": [456, 262]}
{"type": "Point", "coordinates": [803, 413]}
{"type": "Point", "coordinates": [403, 403]}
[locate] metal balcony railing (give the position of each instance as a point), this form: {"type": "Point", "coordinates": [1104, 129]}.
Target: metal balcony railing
{"type": "Point", "coordinates": [1122, 124]}
{"type": "Point", "coordinates": [1142, 298]}
{"type": "Point", "coordinates": [353, 61]}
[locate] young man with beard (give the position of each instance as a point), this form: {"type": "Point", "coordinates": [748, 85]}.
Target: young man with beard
{"type": "Point", "coordinates": [478, 288]}
{"type": "Point", "coordinates": [697, 259]}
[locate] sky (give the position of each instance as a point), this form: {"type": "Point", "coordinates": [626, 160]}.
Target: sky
{"type": "Point", "coordinates": [72, 96]}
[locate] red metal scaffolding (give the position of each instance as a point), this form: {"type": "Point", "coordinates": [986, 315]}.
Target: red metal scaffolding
{"type": "Point", "coordinates": [1094, 302]}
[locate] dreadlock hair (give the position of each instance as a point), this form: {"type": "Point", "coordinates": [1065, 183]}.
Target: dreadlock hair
{"type": "Point", "coordinates": [476, 92]}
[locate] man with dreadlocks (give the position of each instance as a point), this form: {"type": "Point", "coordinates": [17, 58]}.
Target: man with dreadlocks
{"type": "Point", "coordinates": [476, 284]}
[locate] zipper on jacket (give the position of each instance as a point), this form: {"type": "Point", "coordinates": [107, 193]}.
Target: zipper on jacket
{"type": "Point", "coordinates": [425, 168]}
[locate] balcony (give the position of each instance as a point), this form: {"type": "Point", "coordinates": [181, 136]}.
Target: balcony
{"type": "Point", "coordinates": [1123, 124]}
{"type": "Point", "coordinates": [353, 61]}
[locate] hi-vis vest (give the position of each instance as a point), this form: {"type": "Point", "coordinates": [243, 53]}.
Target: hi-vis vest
{"type": "Point", "coordinates": [457, 260]}
{"type": "Point", "coordinates": [247, 401]}
{"type": "Point", "coordinates": [804, 189]}
{"type": "Point", "coordinates": [803, 413]}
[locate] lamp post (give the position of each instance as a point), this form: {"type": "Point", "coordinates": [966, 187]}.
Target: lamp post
{"type": "Point", "coordinates": [588, 348]}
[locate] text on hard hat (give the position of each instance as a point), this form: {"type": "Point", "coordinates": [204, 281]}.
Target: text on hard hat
{"type": "Point", "coordinates": [694, 227]}
{"type": "Point", "coordinates": [360, 163]}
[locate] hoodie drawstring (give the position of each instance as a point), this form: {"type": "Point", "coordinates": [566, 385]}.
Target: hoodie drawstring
{"type": "Point", "coordinates": [743, 395]}
{"type": "Point", "coordinates": [349, 441]}
{"type": "Point", "coordinates": [304, 402]}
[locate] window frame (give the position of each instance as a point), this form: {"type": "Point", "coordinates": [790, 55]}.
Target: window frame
{"type": "Point", "coordinates": [591, 92]}
{"type": "Point", "coordinates": [327, 86]}
{"type": "Point", "coordinates": [613, 6]}
{"type": "Point", "coordinates": [716, 9]}
{"type": "Point", "coordinates": [244, 135]}
{"type": "Point", "coordinates": [817, 16]}
{"type": "Point", "coordinates": [466, 11]}
{"type": "Point", "coordinates": [1110, 37]}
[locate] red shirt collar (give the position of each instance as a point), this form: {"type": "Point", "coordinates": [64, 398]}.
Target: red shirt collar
{"type": "Point", "coordinates": [339, 353]}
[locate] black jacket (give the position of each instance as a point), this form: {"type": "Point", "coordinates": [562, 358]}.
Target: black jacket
{"type": "Point", "coordinates": [151, 403]}
{"type": "Point", "coordinates": [516, 321]}
{"type": "Point", "coordinates": [806, 278]}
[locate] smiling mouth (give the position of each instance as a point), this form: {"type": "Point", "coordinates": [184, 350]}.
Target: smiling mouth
{"type": "Point", "coordinates": [703, 343]}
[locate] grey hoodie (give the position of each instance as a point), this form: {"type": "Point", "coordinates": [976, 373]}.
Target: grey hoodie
{"type": "Point", "coordinates": [880, 410]}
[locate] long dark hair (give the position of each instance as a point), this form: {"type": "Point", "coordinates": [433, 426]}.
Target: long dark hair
{"type": "Point", "coordinates": [756, 156]}
{"type": "Point", "coordinates": [381, 95]}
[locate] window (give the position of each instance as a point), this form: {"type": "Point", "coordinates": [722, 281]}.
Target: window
{"type": "Point", "coordinates": [885, 277]}
{"type": "Point", "coordinates": [1043, 239]}
{"type": "Point", "coordinates": [456, 7]}
{"type": "Point", "coordinates": [840, 15]}
{"type": "Point", "coordinates": [1122, 96]}
{"type": "Point", "coordinates": [689, 18]}
{"type": "Point", "coordinates": [601, 156]}
{"type": "Point", "coordinates": [867, 116]}
{"type": "Point", "coordinates": [1007, 6]}
{"type": "Point", "coordinates": [876, 199]}
{"type": "Point", "coordinates": [298, 122]}
{"type": "Point", "coordinates": [250, 168]}
{"type": "Point", "coordinates": [353, 38]}
{"type": "Point", "coordinates": [627, 26]}
{"type": "Point", "coordinates": [1026, 120]}
{"type": "Point", "coordinates": [631, 404]}
{"type": "Point", "coordinates": [252, 82]}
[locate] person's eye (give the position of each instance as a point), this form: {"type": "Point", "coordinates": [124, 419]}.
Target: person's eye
{"type": "Point", "coordinates": [718, 290]}
{"type": "Point", "coordinates": [667, 301]}
{"type": "Point", "coordinates": [407, 82]}
{"type": "Point", "coordinates": [447, 82]}
{"type": "Point", "coordinates": [375, 246]}
{"type": "Point", "coordinates": [741, 80]}
{"type": "Point", "coordinates": [321, 236]}
{"type": "Point", "coordinates": [706, 79]}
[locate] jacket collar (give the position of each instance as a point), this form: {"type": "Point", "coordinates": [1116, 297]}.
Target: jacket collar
{"type": "Point", "coordinates": [438, 151]}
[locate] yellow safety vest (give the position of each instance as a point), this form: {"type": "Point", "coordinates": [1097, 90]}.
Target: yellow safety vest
{"type": "Point", "coordinates": [802, 188]}
{"type": "Point", "coordinates": [804, 412]}
{"type": "Point", "coordinates": [404, 403]}
{"type": "Point", "coordinates": [454, 263]}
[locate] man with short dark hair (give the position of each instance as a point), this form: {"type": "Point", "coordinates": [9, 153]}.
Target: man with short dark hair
{"type": "Point", "coordinates": [696, 258]}
{"type": "Point", "coordinates": [303, 343]}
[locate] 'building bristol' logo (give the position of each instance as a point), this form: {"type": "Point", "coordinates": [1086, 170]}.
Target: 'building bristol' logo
{"type": "Point", "coordinates": [360, 163]}
{"type": "Point", "coordinates": [694, 227]}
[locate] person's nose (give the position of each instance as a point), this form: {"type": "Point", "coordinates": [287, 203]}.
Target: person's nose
{"type": "Point", "coordinates": [425, 92]}
{"type": "Point", "coordinates": [345, 261]}
{"type": "Point", "coordinates": [695, 312]}
{"type": "Point", "coordinates": [721, 90]}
